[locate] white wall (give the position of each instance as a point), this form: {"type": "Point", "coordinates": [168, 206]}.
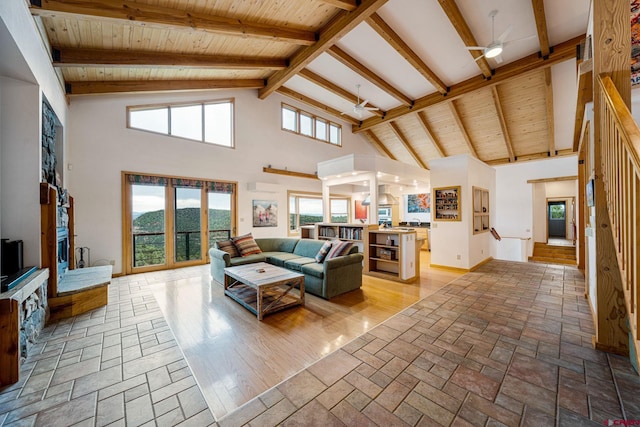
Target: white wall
{"type": "Point", "coordinates": [453, 243]}
{"type": "Point", "coordinates": [100, 147]}
{"type": "Point", "coordinates": [26, 75]}
{"type": "Point", "coordinates": [515, 198]}
{"type": "Point", "coordinates": [20, 129]}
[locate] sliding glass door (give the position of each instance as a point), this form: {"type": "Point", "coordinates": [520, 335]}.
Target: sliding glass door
{"type": "Point", "coordinates": [172, 222]}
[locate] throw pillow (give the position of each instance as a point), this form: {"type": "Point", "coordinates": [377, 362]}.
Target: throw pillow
{"type": "Point", "coordinates": [228, 247]}
{"type": "Point", "coordinates": [338, 248]}
{"type": "Point", "coordinates": [322, 253]}
{"type": "Point", "coordinates": [246, 245]}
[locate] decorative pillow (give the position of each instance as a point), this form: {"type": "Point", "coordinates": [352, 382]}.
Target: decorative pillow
{"type": "Point", "coordinates": [339, 248]}
{"type": "Point", "coordinates": [246, 245]}
{"type": "Point", "coordinates": [228, 247]}
{"type": "Point", "coordinates": [322, 253]}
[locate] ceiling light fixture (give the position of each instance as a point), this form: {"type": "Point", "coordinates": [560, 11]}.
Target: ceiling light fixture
{"type": "Point", "coordinates": [493, 50]}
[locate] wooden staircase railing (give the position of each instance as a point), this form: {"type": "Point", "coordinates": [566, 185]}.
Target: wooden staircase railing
{"type": "Point", "coordinates": [620, 147]}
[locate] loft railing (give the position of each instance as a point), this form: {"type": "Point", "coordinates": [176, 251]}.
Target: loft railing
{"type": "Point", "coordinates": [620, 144]}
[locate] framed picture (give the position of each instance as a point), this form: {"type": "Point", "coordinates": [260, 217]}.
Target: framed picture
{"type": "Point", "coordinates": [447, 203]}
{"type": "Point", "coordinates": [419, 203]}
{"type": "Point", "coordinates": [589, 195]}
{"type": "Point", "coordinates": [360, 211]}
{"type": "Point", "coordinates": [265, 213]}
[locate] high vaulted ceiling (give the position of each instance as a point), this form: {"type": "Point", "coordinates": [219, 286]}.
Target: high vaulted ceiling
{"type": "Point", "coordinates": [410, 59]}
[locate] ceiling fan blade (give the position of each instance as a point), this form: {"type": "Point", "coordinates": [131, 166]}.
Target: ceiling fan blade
{"type": "Point", "coordinates": [371, 108]}
{"type": "Point", "coordinates": [479, 57]}
{"type": "Point", "coordinates": [505, 34]}
{"type": "Point", "coordinates": [363, 103]}
{"type": "Point", "coordinates": [475, 47]}
{"type": "Point", "coordinates": [519, 40]}
{"type": "Point", "coordinates": [498, 59]}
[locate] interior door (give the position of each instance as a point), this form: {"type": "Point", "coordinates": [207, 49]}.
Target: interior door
{"type": "Point", "coordinates": [557, 219]}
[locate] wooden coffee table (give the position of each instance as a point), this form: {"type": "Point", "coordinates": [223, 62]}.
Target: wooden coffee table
{"type": "Point", "coordinates": [263, 288]}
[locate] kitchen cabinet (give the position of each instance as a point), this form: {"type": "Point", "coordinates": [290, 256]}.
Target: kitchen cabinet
{"type": "Point", "coordinates": [391, 254]}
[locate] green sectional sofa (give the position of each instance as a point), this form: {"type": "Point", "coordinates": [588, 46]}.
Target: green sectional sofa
{"type": "Point", "coordinates": [327, 279]}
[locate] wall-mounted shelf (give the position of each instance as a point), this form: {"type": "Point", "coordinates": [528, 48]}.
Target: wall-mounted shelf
{"type": "Point", "coordinates": [480, 210]}
{"type": "Point", "coordinates": [446, 201]}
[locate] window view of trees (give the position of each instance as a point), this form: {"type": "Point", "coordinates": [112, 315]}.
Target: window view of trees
{"type": "Point", "coordinates": [307, 210]}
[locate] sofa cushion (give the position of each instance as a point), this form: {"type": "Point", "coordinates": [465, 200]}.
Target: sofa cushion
{"type": "Point", "coordinates": [241, 260]}
{"type": "Point", "coordinates": [339, 248]}
{"type": "Point", "coordinates": [246, 245]}
{"type": "Point", "coordinates": [278, 258]}
{"type": "Point", "coordinates": [277, 244]}
{"type": "Point", "coordinates": [297, 263]}
{"type": "Point", "coordinates": [228, 247]}
{"type": "Point", "coordinates": [308, 247]}
{"type": "Point", "coordinates": [313, 269]}
{"type": "Point", "coordinates": [322, 253]}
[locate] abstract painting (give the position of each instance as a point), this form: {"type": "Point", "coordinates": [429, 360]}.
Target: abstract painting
{"type": "Point", "coordinates": [419, 203]}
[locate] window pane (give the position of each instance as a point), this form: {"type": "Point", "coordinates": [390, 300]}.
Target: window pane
{"type": "Point", "coordinates": [155, 120]}
{"type": "Point", "coordinates": [219, 217]}
{"type": "Point", "coordinates": [218, 123]}
{"type": "Point", "coordinates": [321, 129]}
{"type": "Point", "coordinates": [187, 230]}
{"type": "Point", "coordinates": [186, 122]}
{"type": "Point", "coordinates": [334, 134]}
{"type": "Point", "coordinates": [148, 217]}
{"type": "Point", "coordinates": [339, 210]}
{"type": "Point", "coordinates": [310, 210]}
{"type": "Point", "coordinates": [289, 119]}
{"type": "Point", "coordinates": [306, 125]}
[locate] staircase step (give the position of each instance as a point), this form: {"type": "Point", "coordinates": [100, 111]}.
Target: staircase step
{"type": "Point", "coordinates": [548, 260]}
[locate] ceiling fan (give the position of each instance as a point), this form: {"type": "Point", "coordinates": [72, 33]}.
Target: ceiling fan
{"type": "Point", "coordinates": [360, 107]}
{"type": "Point", "coordinates": [495, 48]}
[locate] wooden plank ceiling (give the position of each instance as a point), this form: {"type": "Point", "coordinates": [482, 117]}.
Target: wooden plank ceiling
{"type": "Point", "coordinates": [501, 112]}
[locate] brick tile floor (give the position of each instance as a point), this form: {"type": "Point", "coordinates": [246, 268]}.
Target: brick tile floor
{"type": "Point", "coordinates": [508, 344]}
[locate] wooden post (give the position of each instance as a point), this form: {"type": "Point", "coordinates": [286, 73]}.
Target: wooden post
{"type": "Point", "coordinates": [48, 235]}
{"type": "Point", "coordinates": [9, 342]}
{"type": "Point", "coordinates": [611, 55]}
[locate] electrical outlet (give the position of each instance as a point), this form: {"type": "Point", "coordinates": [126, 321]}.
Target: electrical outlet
{"type": "Point", "coordinates": [459, 257]}
{"type": "Point", "coordinates": [112, 262]}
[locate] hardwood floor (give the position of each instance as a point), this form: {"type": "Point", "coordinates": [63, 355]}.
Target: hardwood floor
{"type": "Point", "coordinates": [235, 357]}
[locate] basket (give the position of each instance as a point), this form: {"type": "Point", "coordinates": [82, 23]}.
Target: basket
{"type": "Point", "coordinates": [386, 254]}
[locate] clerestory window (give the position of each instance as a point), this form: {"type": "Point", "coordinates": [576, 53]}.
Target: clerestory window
{"type": "Point", "coordinates": [210, 122]}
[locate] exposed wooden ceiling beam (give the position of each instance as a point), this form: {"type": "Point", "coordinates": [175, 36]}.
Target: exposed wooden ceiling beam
{"type": "Point", "coordinates": [550, 120]}
{"type": "Point", "coordinates": [342, 4]}
{"type": "Point", "coordinates": [585, 95]}
{"type": "Point", "coordinates": [557, 179]}
{"type": "Point", "coordinates": [503, 123]}
{"type": "Point", "coordinates": [357, 67]}
{"type": "Point", "coordinates": [287, 172]}
{"type": "Point", "coordinates": [407, 144]}
{"type": "Point", "coordinates": [147, 15]}
{"type": "Point", "coordinates": [378, 144]}
{"type": "Point", "coordinates": [333, 88]}
{"type": "Point", "coordinates": [541, 26]}
{"type": "Point", "coordinates": [534, 156]}
{"type": "Point", "coordinates": [463, 129]}
{"type": "Point", "coordinates": [391, 37]}
{"type": "Point", "coordinates": [310, 101]}
{"type": "Point", "coordinates": [342, 24]}
{"type": "Point", "coordinates": [74, 57]}
{"type": "Point", "coordinates": [122, 86]}
{"type": "Point", "coordinates": [427, 129]}
{"type": "Point", "coordinates": [531, 63]}
{"type": "Point", "coordinates": [460, 24]}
